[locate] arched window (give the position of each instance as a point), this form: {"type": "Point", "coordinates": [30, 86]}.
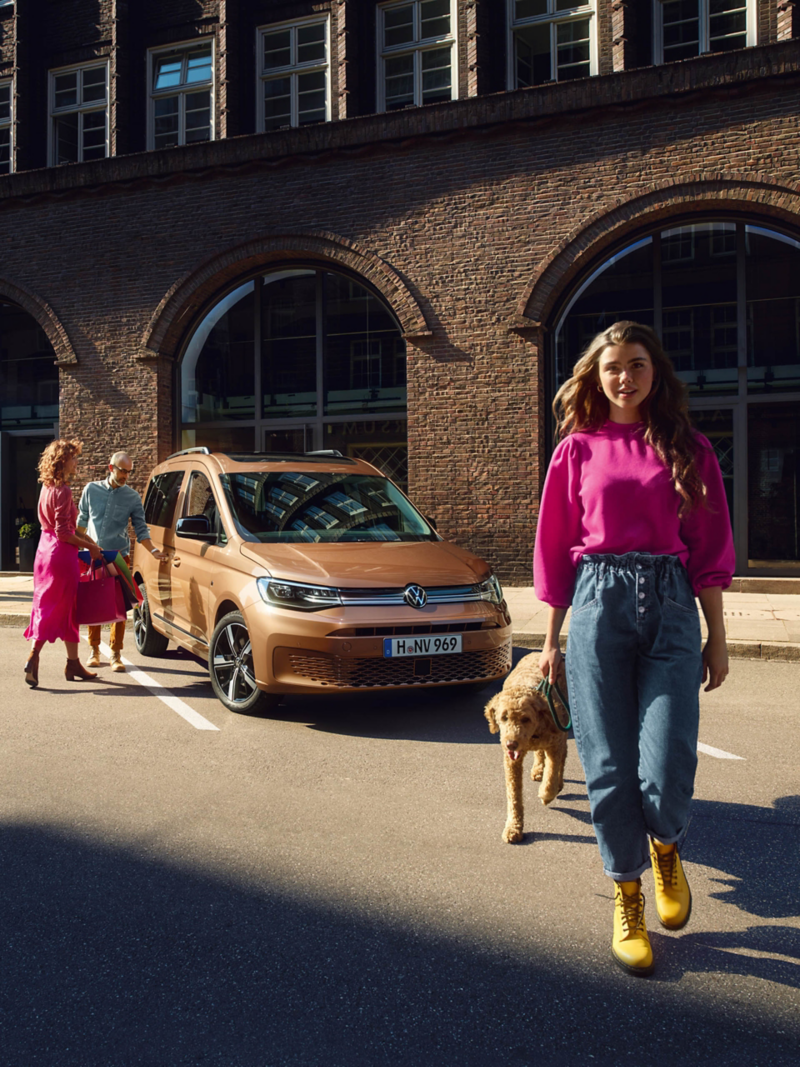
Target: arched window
{"type": "Point", "coordinates": [298, 360]}
{"type": "Point", "coordinates": [725, 298]}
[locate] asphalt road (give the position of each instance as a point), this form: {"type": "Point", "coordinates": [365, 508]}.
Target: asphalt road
{"type": "Point", "coordinates": [327, 887]}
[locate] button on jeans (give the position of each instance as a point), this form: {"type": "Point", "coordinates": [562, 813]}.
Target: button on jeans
{"type": "Point", "coordinates": [634, 666]}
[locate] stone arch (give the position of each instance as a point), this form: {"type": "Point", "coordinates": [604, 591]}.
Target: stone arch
{"type": "Point", "coordinates": [45, 317]}
{"type": "Point", "coordinates": [184, 301]}
{"type": "Point", "coordinates": [753, 194]}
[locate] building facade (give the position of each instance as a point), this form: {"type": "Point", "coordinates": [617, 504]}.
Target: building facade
{"type": "Point", "coordinates": [390, 228]}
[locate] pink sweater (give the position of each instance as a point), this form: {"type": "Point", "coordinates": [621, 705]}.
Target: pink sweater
{"type": "Point", "coordinates": [608, 492]}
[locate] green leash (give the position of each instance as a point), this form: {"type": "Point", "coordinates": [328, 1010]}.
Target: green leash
{"type": "Point", "coordinates": [545, 688]}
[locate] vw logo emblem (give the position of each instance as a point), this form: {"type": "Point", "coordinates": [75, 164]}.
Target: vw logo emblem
{"type": "Point", "coordinates": [415, 596]}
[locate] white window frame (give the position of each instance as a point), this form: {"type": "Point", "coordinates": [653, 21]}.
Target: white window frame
{"type": "Point", "coordinates": [8, 124]}
{"type": "Point", "coordinates": [293, 69]}
{"type": "Point", "coordinates": [581, 10]}
{"type": "Point", "coordinates": [416, 48]}
{"type": "Point", "coordinates": [704, 45]}
{"type": "Point", "coordinates": [180, 91]}
{"type": "Point", "coordinates": [81, 109]}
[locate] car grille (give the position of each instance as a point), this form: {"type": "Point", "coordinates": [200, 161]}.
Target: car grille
{"type": "Point", "coordinates": [401, 631]}
{"type": "Point", "coordinates": [376, 672]}
{"type": "Point", "coordinates": [449, 594]}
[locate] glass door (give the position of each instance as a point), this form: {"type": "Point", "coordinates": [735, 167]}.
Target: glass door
{"type": "Point", "coordinates": [773, 486]}
{"type": "Point", "coordinates": [288, 438]}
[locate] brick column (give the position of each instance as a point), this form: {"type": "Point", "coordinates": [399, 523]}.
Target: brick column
{"type": "Point", "coordinates": [788, 19]}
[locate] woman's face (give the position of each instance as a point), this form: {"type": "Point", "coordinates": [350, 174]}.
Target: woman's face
{"type": "Point", "coordinates": [626, 377]}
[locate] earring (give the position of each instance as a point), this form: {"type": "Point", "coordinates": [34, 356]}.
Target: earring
{"type": "Point", "coordinates": [599, 388]}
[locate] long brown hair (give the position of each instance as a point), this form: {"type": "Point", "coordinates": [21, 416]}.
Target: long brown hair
{"type": "Point", "coordinates": [52, 460]}
{"type": "Point", "coordinates": [580, 405]}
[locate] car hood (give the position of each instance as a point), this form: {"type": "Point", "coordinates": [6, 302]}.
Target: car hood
{"type": "Point", "coordinates": [371, 565]}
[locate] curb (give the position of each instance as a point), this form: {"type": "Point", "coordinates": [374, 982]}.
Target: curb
{"type": "Point", "coordinates": [779, 650]}
{"type": "Point", "coordinates": [782, 650]}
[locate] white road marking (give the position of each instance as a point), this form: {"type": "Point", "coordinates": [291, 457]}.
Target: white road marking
{"type": "Point", "coordinates": [717, 753]}
{"type": "Point", "coordinates": [158, 690]}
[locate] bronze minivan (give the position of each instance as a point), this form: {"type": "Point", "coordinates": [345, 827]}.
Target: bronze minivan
{"type": "Point", "coordinates": [310, 573]}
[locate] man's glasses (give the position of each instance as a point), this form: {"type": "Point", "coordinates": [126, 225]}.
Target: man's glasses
{"type": "Point", "coordinates": [122, 470]}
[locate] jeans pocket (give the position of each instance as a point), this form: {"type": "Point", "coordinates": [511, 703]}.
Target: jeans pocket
{"type": "Point", "coordinates": [682, 609]}
{"type": "Point", "coordinates": [584, 608]}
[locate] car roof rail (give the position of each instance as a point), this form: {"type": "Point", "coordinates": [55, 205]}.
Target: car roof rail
{"type": "Point", "coordinates": [188, 451]}
{"type": "Point", "coordinates": [325, 452]}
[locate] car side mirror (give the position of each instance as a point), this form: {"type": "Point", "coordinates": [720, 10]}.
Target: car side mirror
{"type": "Point", "coordinates": [431, 522]}
{"type": "Point", "coordinates": [195, 528]}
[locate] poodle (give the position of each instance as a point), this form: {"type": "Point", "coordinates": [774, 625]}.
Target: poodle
{"type": "Point", "coordinates": [523, 719]}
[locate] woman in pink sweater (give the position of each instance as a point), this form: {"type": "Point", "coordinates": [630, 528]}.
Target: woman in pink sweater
{"type": "Point", "coordinates": [633, 526]}
{"type": "Point", "coordinates": [55, 569]}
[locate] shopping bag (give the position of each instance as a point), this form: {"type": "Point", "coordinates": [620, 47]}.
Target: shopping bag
{"type": "Point", "coordinates": [127, 578]}
{"type": "Point", "coordinates": [100, 598]}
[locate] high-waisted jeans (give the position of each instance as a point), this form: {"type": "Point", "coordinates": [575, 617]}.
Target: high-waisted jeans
{"type": "Point", "coordinates": [634, 667]}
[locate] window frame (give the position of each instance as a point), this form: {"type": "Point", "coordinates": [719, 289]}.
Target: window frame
{"type": "Point", "coordinates": [293, 69]}
{"type": "Point", "coordinates": [8, 124]}
{"type": "Point", "coordinates": [181, 91]}
{"type": "Point", "coordinates": [416, 48]}
{"type": "Point", "coordinates": [704, 34]}
{"type": "Point", "coordinates": [582, 10]}
{"type": "Point", "coordinates": [80, 109]}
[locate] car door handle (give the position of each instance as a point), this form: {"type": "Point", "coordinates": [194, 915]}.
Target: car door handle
{"type": "Point", "coordinates": [176, 561]}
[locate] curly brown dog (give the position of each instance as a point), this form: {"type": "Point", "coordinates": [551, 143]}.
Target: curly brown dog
{"type": "Point", "coordinates": [523, 718]}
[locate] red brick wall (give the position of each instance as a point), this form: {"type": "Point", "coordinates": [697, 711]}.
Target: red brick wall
{"type": "Point", "coordinates": [485, 209]}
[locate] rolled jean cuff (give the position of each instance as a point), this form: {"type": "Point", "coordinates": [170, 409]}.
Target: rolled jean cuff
{"type": "Point", "coordinates": [628, 876]}
{"type": "Point", "coordinates": [666, 840]}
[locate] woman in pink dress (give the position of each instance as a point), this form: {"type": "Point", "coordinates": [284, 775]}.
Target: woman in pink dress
{"type": "Point", "coordinates": [55, 570]}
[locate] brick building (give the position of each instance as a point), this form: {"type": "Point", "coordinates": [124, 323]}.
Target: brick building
{"type": "Point", "coordinates": [389, 228]}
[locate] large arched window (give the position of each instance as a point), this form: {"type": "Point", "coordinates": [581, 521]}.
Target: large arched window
{"type": "Point", "coordinates": [28, 419]}
{"type": "Point", "coordinates": [297, 360]}
{"type": "Point", "coordinates": [725, 298]}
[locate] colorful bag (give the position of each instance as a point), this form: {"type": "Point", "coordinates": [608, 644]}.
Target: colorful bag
{"type": "Point", "coordinates": [100, 598]}
{"type": "Point", "coordinates": [127, 578]}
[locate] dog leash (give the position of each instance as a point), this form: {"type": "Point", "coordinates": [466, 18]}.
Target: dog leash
{"type": "Point", "coordinates": [546, 689]}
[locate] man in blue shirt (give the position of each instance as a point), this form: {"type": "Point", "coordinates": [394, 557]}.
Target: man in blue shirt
{"type": "Point", "coordinates": [105, 510]}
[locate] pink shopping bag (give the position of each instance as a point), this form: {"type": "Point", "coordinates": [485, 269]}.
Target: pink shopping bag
{"type": "Point", "coordinates": [100, 597]}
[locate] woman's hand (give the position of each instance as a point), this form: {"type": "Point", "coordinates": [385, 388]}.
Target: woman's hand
{"type": "Point", "coordinates": [550, 661]}
{"type": "Point", "coordinates": [95, 551]}
{"type": "Point", "coordinates": [715, 662]}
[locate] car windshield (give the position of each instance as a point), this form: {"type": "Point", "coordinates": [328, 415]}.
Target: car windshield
{"type": "Point", "coordinates": [296, 506]}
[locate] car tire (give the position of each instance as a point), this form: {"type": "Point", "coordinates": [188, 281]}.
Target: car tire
{"type": "Point", "coordinates": [147, 639]}
{"type": "Point", "coordinates": [230, 664]}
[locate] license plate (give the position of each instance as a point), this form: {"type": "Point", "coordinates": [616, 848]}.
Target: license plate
{"type": "Point", "coordinates": [441, 645]}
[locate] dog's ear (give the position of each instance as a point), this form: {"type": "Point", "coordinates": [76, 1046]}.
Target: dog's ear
{"type": "Point", "coordinates": [490, 711]}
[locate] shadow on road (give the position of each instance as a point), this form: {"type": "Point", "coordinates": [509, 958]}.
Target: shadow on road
{"type": "Point", "coordinates": [113, 959]}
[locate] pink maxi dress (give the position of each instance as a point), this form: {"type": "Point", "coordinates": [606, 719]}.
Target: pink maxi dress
{"type": "Point", "coordinates": [54, 616]}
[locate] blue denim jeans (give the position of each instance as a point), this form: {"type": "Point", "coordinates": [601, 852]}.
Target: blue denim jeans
{"type": "Point", "coordinates": [634, 667]}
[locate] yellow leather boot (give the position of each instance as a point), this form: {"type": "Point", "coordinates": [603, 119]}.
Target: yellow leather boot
{"type": "Point", "coordinates": [630, 944]}
{"type": "Point", "coordinates": [673, 895]}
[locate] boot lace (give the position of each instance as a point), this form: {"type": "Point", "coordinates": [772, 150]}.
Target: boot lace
{"type": "Point", "coordinates": [666, 868]}
{"type": "Point", "coordinates": [631, 907]}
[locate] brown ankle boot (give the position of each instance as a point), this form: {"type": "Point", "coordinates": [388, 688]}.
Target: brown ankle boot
{"type": "Point", "coordinates": [32, 669]}
{"type": "Point", "coordinates": [76, 672]}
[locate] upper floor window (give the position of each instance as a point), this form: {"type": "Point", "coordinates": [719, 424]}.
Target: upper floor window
{"type": "Point", "coordinates": [686, 28]}
{"type": "Point", "coordinates": [551, 40]}
{"type": "Point", "coordinates": [293, 74]}
{"type": "Point", "coordinates": [416, 53]}
{"type": "Point", "coordinates": [79, 114]}
{"type": "Point", "coordinates": [181, 95]}
{"type": "Point", "coordinates": [5, 127]}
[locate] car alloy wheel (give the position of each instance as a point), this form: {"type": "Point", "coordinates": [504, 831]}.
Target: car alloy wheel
{"type": "Point", "coordinates": [230, 664]}
{"type": "Point", "coordinates": [147, 639]}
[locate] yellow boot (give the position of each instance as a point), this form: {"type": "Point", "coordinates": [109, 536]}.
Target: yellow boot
{"type": "Point", "coordinates": [673, 895]}
{"type": "Point", "coordinates": [630, 944]}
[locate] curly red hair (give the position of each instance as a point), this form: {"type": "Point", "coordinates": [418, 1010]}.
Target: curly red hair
{"type": "Point", "coordinates": [53, 459]}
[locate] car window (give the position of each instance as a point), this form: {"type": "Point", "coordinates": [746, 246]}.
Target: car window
{"type": "Point", "coordinates": [200, 501]}
{"type": "Point", "coordinates": [162, 498]}
{"type": "Point", "coordinates": [292, 506]}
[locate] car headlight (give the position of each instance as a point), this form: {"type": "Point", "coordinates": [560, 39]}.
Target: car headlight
{"type": "Point", "coordinates": [297, 596]}
{"type": "Point", "coordinates": [491, 590]}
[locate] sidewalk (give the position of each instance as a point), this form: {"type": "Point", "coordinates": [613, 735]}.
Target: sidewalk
{"type": "Point", "coordinates": [762, 615]}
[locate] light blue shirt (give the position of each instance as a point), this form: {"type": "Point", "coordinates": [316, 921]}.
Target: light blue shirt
{"type": "Point", "coordinates": [105, 511]}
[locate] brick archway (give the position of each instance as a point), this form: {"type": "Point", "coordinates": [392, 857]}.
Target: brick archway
{"type": "Point", "coordinates": [193, 293]}
{"type": "Point", "coordinates": [608, 228]}
{"type": "Point", "coordinates": [46, 318]}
